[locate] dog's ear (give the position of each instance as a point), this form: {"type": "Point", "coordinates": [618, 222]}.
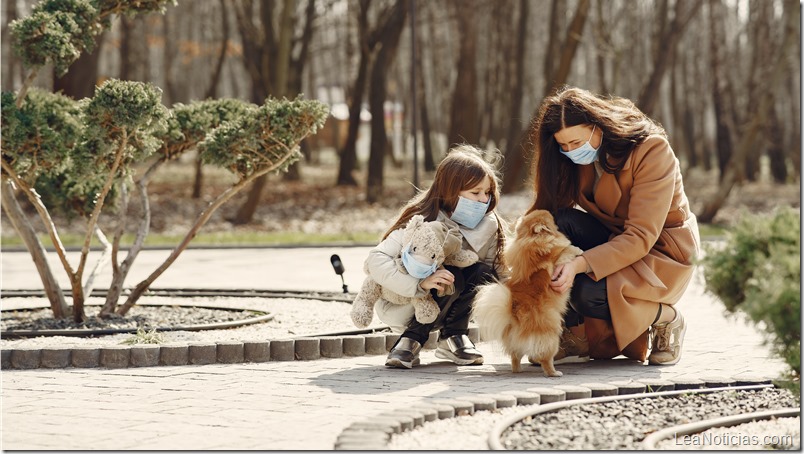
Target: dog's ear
{"type": "Point", "coordinates": [540, 227]}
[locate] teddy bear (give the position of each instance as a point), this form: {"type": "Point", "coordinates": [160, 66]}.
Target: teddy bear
{"type": "Point", "coordinates": [429, 242]}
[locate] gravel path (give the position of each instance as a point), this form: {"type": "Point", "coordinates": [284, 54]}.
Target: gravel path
{"type": "Point", "coordinates": [611, 425]}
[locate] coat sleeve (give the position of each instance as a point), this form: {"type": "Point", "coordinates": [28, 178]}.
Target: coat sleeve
{"type": "Point", "coordinates": [654, 168]}
{"type": "Point", "coordinates": [382, 267]}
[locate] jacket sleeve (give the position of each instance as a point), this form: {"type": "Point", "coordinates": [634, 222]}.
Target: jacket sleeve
{"type": "Point", "coordinates": [650, 199]}
{"type": "Point", "coordinates": [382, 267]}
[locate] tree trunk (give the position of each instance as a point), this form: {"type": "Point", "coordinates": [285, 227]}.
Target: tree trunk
{"type": "Point", "coordinates": [778, 164]}
{"type": "Point", "coordinates": [169, 53]}
{"type": "Point", "coordinates": [80, 79]}
{"type": "Point", "coordinates": [275, 72]}
{"type": "Point", "coordinates": [120, 272]}
{"type": "Point", "coordinates": [212, 92]}
{"type": "Point", "coordinates": [11, 64]}
{"type": "Point", "coordinates": [348, 154]}
{"type": "Point", "coordinates": [388, 40]}
{"type": "Point", "coordinates": [134, 61]}
{"type": "Point", "coordinates": [667, 44]}
{"type": "Point", "coordinates": [424, 116]}
{"type": "Point", "coordinates": [793, 144]}
{"type": "Point", "coordinates": [464, 113]}
{"type": "Point", "coordinates": [553, 43]}
{"type": "Point", "coordinates": [28, 235]}
{"type": "Point", "coordinates": [723, 128]}
{"type": "Point", "coordinates": [515, 153]}
{"type": "Point", "coordinates": [571, 42]}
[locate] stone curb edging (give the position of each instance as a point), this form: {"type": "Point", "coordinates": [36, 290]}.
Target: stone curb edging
{"type": "Point", "coordinates": [198, 353]}
{"type": "Point", "coordinates": [375, 433]}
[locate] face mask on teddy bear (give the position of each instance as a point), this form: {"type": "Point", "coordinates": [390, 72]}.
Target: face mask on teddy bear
{"type": "Point", "coordinates": [416, 268]}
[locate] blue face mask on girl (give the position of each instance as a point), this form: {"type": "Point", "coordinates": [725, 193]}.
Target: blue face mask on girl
{"type": "Point", "coordinates": [416, 268]}
{"type": "Point", "coordinates": [469, 213]}
{"type": "Point", "coordinates": [585, 154]}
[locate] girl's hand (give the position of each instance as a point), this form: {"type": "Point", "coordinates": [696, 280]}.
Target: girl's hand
{"type": "Point", "coordinates": [564, 275]}
{"type": "Point", "coordinates": [438, 280]}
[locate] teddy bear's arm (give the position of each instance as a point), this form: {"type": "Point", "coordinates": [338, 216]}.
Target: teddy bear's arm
{"type": "Point", "coordinates": [381, 266]}
{"type": "Point", "coordinates": [462, 259]}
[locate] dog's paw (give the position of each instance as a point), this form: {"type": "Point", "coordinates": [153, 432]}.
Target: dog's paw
{"type": "Point", "coordinates": [555, 373]}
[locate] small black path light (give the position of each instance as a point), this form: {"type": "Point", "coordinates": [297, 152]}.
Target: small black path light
{"type": "Point", "coordinates": [338, 266]}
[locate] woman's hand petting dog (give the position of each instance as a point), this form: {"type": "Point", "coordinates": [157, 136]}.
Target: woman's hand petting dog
{"type": "Point", "coordinates": [564, 274]}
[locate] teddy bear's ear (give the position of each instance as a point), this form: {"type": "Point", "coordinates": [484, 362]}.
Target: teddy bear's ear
{"type": "Point", "coordinates": [412, 226]}
{"type": "Point", "coordinates": [415, 221]}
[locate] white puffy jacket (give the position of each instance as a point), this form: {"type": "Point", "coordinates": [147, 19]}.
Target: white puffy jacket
{"type": "Point", "coordinates": [382, 268]}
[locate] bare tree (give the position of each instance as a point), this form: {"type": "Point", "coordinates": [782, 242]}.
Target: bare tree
{"type": "Point", "coordinates": [268, 57]}
{"type": "Point", "coordinates": [721, 102]}
{"type": "Point", "coordinates": [516, 164]}
{"type": "Point", "coordinates": [387, 42]}
{"type": "Point", "coordinates": [515, 151]}
{"type": "Point", "coordinates": [464, 110]}
{"type": "Point", "coordinates": [370, 42]}
{"type": "Point", "coordinates": [666, 41]}
{"type": "Point", "coordinates": [212, 91]}
{"type": "Point", "coordinates": [773, 75]}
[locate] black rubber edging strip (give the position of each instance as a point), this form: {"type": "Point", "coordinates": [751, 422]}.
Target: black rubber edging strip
{"type": "Point", "coordinates": [15, 334]}
{"type": "Point", "coordinates": [650, 442]}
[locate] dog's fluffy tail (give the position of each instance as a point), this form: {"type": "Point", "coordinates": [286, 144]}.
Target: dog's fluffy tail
{"type": "Point", "coordinates": [492, 310]}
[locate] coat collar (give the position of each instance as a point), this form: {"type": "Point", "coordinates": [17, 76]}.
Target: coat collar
{"type": "Point", "coordinates": [478, 236]}
{"type": "Point", "coordinates": [601, 198]}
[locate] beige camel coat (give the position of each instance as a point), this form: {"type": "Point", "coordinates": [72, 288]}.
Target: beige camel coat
{"type": "Point", "coordinates": [654, 239]}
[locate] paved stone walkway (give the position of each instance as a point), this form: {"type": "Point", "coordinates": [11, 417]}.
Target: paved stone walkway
{"type": "Point", "coordinates": [301, 405]}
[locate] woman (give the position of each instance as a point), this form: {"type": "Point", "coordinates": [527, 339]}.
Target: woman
{"type": "Point", "coordinates": [607, 173]}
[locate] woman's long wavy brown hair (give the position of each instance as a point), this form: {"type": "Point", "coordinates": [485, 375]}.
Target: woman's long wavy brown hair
{"type": "Point", "coordinates": [624, 126]}
{"type": "Point", "coordinates": [463, 168]}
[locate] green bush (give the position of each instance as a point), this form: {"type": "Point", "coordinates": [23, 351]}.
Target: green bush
{"type": "Point", "coordinates": [758, 272]}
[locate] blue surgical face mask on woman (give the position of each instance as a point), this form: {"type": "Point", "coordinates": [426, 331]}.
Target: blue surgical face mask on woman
{"type": "Point", "coordinates": [468, 212]}
{"type": "Point", "coordinates": [416, 268]}
{"type": "Point", "coordinates": [586, 153]}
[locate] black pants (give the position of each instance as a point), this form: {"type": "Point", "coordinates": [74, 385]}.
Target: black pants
{"type": "Point", "coordinates": [456, 309]}
{"type": "Point", "coordinates": [587, 297]}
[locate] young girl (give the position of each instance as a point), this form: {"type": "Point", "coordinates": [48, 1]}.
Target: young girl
{"type": "Point", "coordinates": [464, 193]}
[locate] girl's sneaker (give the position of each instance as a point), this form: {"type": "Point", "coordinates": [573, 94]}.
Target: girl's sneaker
{"type": "Point", "coordinates": [458, 349]}
{"type": "Point", "coordinates": [404, 354]}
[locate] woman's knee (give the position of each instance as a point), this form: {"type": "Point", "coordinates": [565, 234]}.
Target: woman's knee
{"type": "Point", "coordinates": [589, 299]}
{"type": "Point", "coordinates": [583, 229]}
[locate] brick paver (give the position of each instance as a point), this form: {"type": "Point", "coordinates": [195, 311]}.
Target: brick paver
{"type": "Point", "coordinates": [305, 405]}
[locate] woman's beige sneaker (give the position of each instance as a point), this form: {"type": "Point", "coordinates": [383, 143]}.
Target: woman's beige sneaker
{"type": "Point", "coordinates": [666, 340]}
{"type": "Point", "coordinates": [572, 349]}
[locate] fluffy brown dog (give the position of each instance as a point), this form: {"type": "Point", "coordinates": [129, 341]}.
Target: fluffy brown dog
{"type": "Point", "coordinates": [524, 313]}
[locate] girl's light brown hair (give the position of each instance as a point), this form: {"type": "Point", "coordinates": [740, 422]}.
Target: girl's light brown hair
{"type": "Point", "coordinates": [463, 168]}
